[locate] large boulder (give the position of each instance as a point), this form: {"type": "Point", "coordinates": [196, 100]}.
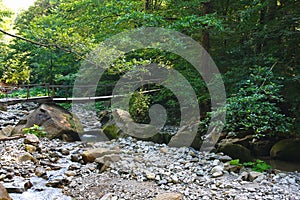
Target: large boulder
{"type": "Point", "coordinates": [124, 121]}
{"type": "Point", "coordinates": [262, 147]}
{"type": "Point", "coordinates": [56, 121]}
{"type": "Point", "coordinates": [236, 151]}
{"type": "Point", "coordinates": [186, 136]}
{"type": "Point", "coordinates": [122, 125]}
{"type": "Point", "coordinates": [288, 150]}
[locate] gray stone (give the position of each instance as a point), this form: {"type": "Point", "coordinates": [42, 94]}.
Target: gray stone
{"type": "Point", "coordinates": [40, 171]}
{"type": "Point", "coordinates": [90, 155]}
{"type": "Point", "coordinates": [150, 175]}
{"type": "Point", "coordinates": [31, 139]}
{"type": "Point", "coordinates": [27, 157]}
{"type": "Point", "coordinates": [107, 159]}
{"type": "Point", "coordinates": [109, 196]}
{"type": "Point", "coordinates": [56, 121]}
{"type": "Point", "coordinates": [70, 173]}
{"type": "Point", "coordinates": [7, 130]}
{"type": "Point", "coordinates": [253, 175]}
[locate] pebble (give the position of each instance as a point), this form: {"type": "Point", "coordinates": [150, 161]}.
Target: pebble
{"type": "Point", "coordinates": [140, 170]}
{"type": "Point", "coordinates": [70, 173]}
{"type": "Point", "coordinates": [40, 171]}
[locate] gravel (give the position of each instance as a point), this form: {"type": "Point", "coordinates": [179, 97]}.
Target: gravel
{"type": "Point", "coordinates": [144, 171]}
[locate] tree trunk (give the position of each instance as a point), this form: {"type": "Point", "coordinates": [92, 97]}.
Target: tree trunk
{"type": "Point", "coordinates": [207, 9]}
{"type": "Point", "coordinates": [148, 5]}
{"type": "Point", "coordinates": [259, 44]}
{"type": "Point", "coordinates": [205, 63]}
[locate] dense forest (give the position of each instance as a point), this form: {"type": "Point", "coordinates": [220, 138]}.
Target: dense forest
{"type": "Point", "coordinates": [255, 45]}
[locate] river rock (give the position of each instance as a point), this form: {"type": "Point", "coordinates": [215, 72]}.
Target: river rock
{"type": "Point", "coordinates": [90, 155]}
{"type": "Point", "coordinates": [253, 175]}
{"type": "Point", "coordinates": [30, 148]}
{"type": "Point", "coordinates": [169, 196]}
{"type": "Point", "coordinates": [28, 185]}
{"type": "Point", "coordinates": [108, 159]}
{"type": "Point", "coordinates": [70, 173]}
{"type": "Point", "coordinates": [236, 151]}
{"type": "Point", "coordinates": [40, 171]}
{"type": "Point", "coordinates": [7, 130]}
{"type": "Point", "coordinates": [124, 121]}
{"type": "Point", "coordinates": [3, 193]}
{"type": "Point", "coordinates": [217, 171]}
{"type": "Point", "coordinates": [27, 157]}
{"type": "Point", "coordinates": [31, 139]}
{"type": "Point", "coordinates": [57, 122]}
{"type": "Point", "coordinates": [109, 196]}
{"type": "Point", "coordinates": [287, 149]}
{"type": "Point", "coordinates": [184, 137]}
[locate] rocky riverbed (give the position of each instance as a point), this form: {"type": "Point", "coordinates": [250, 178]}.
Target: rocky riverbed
{"type": "Point", "coordinates": [10, 115]}
{"type": "Point", "coordinates": [130, 169]}
{"type": "Point", "coordinates": [127, 169]}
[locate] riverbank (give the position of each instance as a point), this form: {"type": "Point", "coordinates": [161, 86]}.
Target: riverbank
{"type": "Point", "coordinates": [143, 170]}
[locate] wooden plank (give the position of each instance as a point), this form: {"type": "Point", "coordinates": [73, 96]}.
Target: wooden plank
{"type": "Point", "coordinates": [44, 99]}
{"type": "Point", "coordinates": [12, 101]}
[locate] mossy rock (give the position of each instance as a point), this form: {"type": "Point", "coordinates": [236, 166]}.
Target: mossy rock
{"type": "Point", "coordinates": [111, 131]}
{"type": "Point", "coordinates": [55, 120]}
{"type": "Point", "coordinates": [288, 150]}
{"type": "Point", "coordinates": [262, 147]}
{"type": "Point", "coordinates": [236, 151]}
{"type": "Point", "coordinates": [160, 138]}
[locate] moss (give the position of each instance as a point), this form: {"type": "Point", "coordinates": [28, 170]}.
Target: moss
{"type": "Point", "coordinates": [288, 149]}
{"type": "Point", "coordinates": [237, 151]}
{"type": "Point", "coordinates": [111, 131]}
{"type": "Point", "coordinates": [74, 122]}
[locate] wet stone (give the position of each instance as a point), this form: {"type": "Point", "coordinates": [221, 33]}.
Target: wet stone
{"type": "Point", "coordinates": [31, 139]}
{"type": "Point", "coordinates": [40, 171]}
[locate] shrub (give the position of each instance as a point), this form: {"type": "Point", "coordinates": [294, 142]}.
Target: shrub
{"type": "Point", "coordinates": [254, 107]}
{"type": "Point", "coordinates": [22, 93]}
{"type": "Point", "coordinates": [139, 107]}
{"type": "Point", "coordinates": [36, 130]}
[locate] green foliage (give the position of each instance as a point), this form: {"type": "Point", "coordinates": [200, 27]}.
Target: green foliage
{"type": "Point", "coordinates": [255, 108]}
{"type": "Point", "coordinates": [22, 93]}
{"type": "Point", "coordinates": [35, 130]}
{"type": "Point", "coordinates": [258, 165]}
{"type": "Point", "coordinates": [4, 13]}
{"type": "Point", "coordinates": [66, 106]}
{"type": "Point", "coordinates": [17, 69]}
{"type": "Point", "coordinates": [139, 107]}
{"type": "Point", "coordinates": [236, 162]}
{"type": "Point", "coordinates": [241, 34]}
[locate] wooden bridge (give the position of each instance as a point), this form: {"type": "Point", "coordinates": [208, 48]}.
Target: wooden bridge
{"type": "Point", "coordinates": [51, 94]}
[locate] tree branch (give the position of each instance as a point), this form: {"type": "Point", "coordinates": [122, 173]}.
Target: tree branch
{"type": "Point", "coordinates": [46, 45]}
{"type": "Point", "coordinates": [40, 44]}
{"type": "Point", "coordinates": [25, 39]}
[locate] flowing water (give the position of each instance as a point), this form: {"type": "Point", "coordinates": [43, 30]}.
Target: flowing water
{"type": "Point", "coordinates": [40, 191]}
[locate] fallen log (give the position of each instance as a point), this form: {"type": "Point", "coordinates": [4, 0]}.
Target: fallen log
{"type": "Point", "coordinates": [12, 138]}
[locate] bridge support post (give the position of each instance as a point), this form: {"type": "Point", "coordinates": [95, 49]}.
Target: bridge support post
{"type": "Point", "coordinates": [28, 92]}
